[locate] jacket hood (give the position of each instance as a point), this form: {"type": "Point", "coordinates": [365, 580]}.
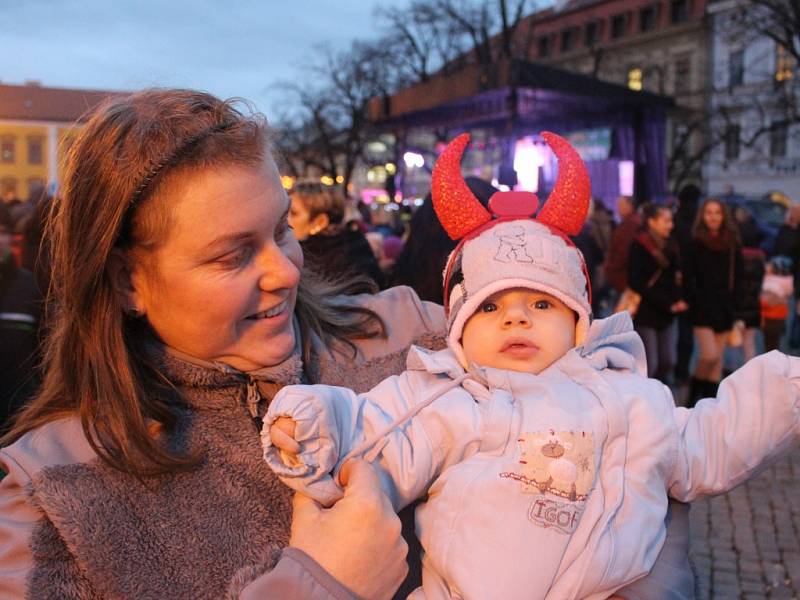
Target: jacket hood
{"type": "Point", "coordinates": [610, 343]}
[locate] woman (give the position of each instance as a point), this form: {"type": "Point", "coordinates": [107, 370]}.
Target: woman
{"type": "Point", "coordinates": [331, 249]}
{"type": "Point", "coordinates": [713, 271]}
{"type": "Point", "coordinates": [180, 310]}
{"type": "Point", "coordinates": [653, 273]}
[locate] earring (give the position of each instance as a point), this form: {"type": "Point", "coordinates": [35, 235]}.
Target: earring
{"type": "Point", "coordinates": [315, 230]}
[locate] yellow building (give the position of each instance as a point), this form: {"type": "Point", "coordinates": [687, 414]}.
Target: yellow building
{"type": "Point", "coordinates": [37, 124]}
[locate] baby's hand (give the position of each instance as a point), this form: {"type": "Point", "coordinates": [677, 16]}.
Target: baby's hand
{"type": "Point", "coordinates": [282, 434]}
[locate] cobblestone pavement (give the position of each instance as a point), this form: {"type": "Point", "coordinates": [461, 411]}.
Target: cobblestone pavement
{"type": "Point", "coordinates": [746, 544]}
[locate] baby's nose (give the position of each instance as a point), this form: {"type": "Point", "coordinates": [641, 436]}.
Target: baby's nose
{"type": "Point", "coordinates": [517, 317]}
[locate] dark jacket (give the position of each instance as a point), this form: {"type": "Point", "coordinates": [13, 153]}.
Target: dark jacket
{"type": "Point", "coordinates": [616, 260]}
{"type": "Point", "coordinates": [711, 278]}
{"type": "Point", "coordinates": [343, 254]}
{"type": "Point", "coordinates": [748, 304]}
{"type": "Point", "coordinates": [20, 313]}
{"type": "Point", "coordinates": [654, 273]}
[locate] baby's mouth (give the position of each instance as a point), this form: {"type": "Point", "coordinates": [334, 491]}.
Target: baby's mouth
{"type": "Point", "coordinates": [519, 348]}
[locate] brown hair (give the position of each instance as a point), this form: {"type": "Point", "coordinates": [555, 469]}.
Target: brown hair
{"type": "Point", "coordinates": [95, 363]}
{"type": "Point", "coordinates": [321, 199]}
{"type": "Point", "coordinates": [729, 232]}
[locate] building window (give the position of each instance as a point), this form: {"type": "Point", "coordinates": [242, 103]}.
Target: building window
{"type": "Point", "coordinates": [736, 68]}
{"type": "Point", "coordinates": [35, 150]}
{"type": "Point", "coordinates": [591, 35]}
{"type": "Point", "coordinates": [567, 40]}
{"type": "Point", "coordinates": [777, 142]}
{"type": "Point", "coordinates": [635, 79]}
{"type": "Point", "coordinates": [784, 64]}
{"type": "Point", "coordinates": [732, 133]}
{"type": "Point", "coordinates": [679, 11]}
{"type": "Point", "coordinates": [647, 19]}
{"type": "Point", "coordinates": [618, 26]}
{"type": "Point", "coordinates": [683, 74]}
{"type": "Point", "coordinates": [7, 146]}
{"type": "Point", "coordinates": [544, 46]}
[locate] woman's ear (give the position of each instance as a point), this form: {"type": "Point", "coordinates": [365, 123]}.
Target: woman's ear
{"type": "Point", "coordinates": [319, 223]}
{"type": "Point", "coordinates": [122, 282]}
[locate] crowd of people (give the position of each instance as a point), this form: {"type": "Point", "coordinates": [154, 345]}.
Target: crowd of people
{"type": "Point", "coordinates": [180, 303]}
{"type": "Point", "coordinates": [697, 280]}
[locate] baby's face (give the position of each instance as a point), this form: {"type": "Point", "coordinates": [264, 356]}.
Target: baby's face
{"type": "Point", "coordinates": [520, 330]}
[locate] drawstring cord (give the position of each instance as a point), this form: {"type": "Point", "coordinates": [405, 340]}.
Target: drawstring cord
{"type": "Point", "coordinates": [366, 445]}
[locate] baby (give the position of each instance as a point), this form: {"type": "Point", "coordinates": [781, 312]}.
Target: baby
{"type": "Point", "coordinates": [546, 454]}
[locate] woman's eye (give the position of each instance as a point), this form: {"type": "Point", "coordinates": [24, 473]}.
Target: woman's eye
{"type": "Point", "coordinates": [488, 307]}
{"type": "Point", "coordinates": [282, 230]}
{"type": "Point", "coordinates": [236, 258]}
{"type": "Point", "coordinates": [542, 304]}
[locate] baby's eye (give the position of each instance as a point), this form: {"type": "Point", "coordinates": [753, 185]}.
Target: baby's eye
{"type": "Point", "coordinates": [542, 304]}
{"type": "Point", "coordinates": [488, 307]}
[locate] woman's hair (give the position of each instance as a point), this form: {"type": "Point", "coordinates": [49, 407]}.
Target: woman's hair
{"type": "Point", "coordinates": [115, 199]}
{"type": "Point", "coordinates": [321, 200]}
{"type": "Point", "coordinates": [729, 232]}
{"type": "Point", "coordinates": [650, 210]}
{"type": "Point", "coordinates": [422, 261]}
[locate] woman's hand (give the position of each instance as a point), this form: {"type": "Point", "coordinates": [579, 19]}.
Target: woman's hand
{"type": "Point", "coordinates": [678, 307]}
{"type": "Point", "coordinates": [358, 539]}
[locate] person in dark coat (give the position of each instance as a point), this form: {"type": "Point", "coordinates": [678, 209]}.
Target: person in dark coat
{"type": "Point", "coordinates": [424, 255]}
{"type": "Point", "coordinates": [688, 196]}
{"type": "Point", "coordinates": [787, 243]}
{"type": "Point", "coordinates": [616, 259]}
{"type": "Point", "coordinates": [331, 249]}
{"type": "Point", "coordinates": [20, 313]}
{"type": "Point", "coordinates": [712, 271]}
{"type": "Point", "coordinates": [654, 273]}
{"type": "Point", "coordinates": [748, 306]}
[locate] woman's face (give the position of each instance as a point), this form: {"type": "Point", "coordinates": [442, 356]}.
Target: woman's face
{"type": "Point", "coordinates": [661, 225]}
{"type": "Point", "coordinates": [299, 218]}
{"type": "Point", "coordinates": [712, 216]}
{"type": "Point", "coordinates": [223, 285]}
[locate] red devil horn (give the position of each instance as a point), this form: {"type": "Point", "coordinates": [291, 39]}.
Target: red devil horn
{"type": "Point", "coordinates": [568, 203]}
{"type": "Point", "coordinates": [458, 209]}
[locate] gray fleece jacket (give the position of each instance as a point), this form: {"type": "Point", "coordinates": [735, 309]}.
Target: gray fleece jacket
{"type": "Point", "coordinates": [73, 528]}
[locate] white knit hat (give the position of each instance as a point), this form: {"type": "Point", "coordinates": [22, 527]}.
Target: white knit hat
{"type": "Point", "coordinates": [521, 253]}
{"type": "Point", "coordinates": [508, 248]}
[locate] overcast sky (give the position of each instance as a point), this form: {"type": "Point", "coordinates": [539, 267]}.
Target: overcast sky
{"type": "Point", "coordinates": [227, 47]}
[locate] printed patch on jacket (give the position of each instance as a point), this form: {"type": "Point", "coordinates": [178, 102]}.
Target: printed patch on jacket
{"type": "Point", "coordinates": [560, 463]}
{"type": "Point", "coordinates": [548, 513]}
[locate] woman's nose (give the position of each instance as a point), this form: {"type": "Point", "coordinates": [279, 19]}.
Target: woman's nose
{"type": "Point", "coordinates": [278, 270]}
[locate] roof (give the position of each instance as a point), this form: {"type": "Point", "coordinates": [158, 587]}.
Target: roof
{"type": "Point", "coordinates": [33, 102]}
{"type": "Point", "coordinates": [541, 90]}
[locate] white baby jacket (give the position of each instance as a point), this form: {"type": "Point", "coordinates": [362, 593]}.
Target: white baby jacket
{"type": "Point", "coordinates": [543, 486]}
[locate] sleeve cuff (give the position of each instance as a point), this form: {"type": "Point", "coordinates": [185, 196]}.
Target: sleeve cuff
{"type": "Point", "coordinates": [318, 448]}
{"type": "Point", "coordinates": [296, 576]}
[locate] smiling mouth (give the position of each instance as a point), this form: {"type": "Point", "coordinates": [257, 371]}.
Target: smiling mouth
{"type": "Point", "coordinates": [272, 312]}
